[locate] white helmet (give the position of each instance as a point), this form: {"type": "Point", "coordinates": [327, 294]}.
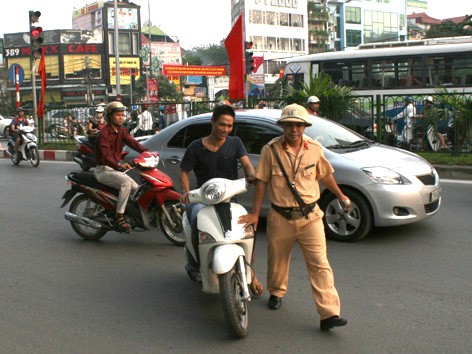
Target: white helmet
{"type": "Point", "coordinates": [100, 109]}
{"type": "Point", "coordinates": [313, 99]}
{"type": "Point", "coordinates": [429, 99]}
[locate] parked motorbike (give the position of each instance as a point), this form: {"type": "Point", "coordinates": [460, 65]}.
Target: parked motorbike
{"type": "Point", "coordinates": [155, 202]}
{"type": "Point", "coordinates": [85, 153]}
{"type": "Point", "coordinates": [59, 131]}
{"type": "Point", "coordinates": [225, 248]}
{"type": "Point", "coordinates": [28, 149]}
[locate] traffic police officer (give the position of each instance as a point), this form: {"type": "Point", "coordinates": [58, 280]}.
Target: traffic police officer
{"type": "Point", "coordinates": [305, 164]}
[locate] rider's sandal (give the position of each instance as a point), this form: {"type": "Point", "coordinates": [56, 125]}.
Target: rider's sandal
{"type": "Point", "coordinates": [122, 223]}
{"type": "Point", "coordinates": [256, 287]}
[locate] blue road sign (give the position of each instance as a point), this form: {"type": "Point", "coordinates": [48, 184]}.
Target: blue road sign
{"type": "Point", "coordinates": [11, 73]}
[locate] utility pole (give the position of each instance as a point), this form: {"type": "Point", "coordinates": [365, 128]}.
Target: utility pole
{"type": "Point", "coordinates": [117, 54]}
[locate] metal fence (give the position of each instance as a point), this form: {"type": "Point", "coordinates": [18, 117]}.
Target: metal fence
{"type": "Point", "coordinates": [371, 116]}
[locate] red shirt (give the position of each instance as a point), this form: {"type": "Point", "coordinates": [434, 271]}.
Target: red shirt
{"type": "Point", "coordinates": [110, 144]}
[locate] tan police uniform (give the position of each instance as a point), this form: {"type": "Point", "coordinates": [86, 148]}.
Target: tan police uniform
{"type": "Point", "coordinates": [303, 170]}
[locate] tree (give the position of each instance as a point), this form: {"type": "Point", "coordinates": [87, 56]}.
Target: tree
{"type": "Point", "coordinates": [211, 54]}
{"type": "Point", "coordinates": [451, 29]}
{"type": "Point", "coordinates": [336, 100]}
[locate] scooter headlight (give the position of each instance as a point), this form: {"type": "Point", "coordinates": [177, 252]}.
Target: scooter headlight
{"type": "Point", "coordinates": [214, 192]}
{"type": "Point", "coordinates": [204, 237]}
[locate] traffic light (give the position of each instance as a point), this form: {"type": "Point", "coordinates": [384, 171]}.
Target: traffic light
{"type": "Point", "coordinates": [248, 53]}
{"type": "Point", "coordinates": [36, 35]}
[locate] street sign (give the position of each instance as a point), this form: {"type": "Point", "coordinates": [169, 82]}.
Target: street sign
{"type": "Point", "coordinates": [11, 74]}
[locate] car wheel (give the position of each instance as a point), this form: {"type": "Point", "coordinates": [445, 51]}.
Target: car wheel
{"type": "Point", "coordinates": [346, 226]}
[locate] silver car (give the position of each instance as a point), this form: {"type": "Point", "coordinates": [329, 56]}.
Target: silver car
{"type": "Point", "coordinates": [387, 186]}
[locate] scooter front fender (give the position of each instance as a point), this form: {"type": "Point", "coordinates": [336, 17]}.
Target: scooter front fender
{"type": "Point", "coordinates": [225, 257]}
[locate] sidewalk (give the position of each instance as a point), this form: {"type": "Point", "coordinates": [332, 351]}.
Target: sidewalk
{"type": "Point", "coordinates": [449, 172]}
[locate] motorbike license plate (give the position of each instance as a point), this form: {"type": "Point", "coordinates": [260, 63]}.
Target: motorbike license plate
{"type": "Point", "coordinates": [435, 194]}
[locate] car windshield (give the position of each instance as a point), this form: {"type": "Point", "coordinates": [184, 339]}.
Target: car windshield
{"type": "Point", "coordinates": [332, 135]}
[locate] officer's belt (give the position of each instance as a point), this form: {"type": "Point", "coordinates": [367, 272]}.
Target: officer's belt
{"type": "Point", "coordinates": [293, 213]}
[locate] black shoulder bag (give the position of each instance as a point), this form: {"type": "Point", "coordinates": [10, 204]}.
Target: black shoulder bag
{"type": "Point", "coordinates": [304, 208]}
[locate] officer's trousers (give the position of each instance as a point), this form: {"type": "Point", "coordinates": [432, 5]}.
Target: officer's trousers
{"type": "Point", "coordinates": [309, 233]}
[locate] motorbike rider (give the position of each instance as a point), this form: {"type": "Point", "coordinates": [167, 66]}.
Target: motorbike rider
{"type": "Point", "coordinates": [95, 124]}
{"type": "Point", "coordinates": [408, 114]}
{"type": "Point", "coordinates": [313, 103]}
{"type": "Point", "coordinates": [215, 155]}
{"type": "Point", "coordinates": [110, 143]}
{"type": "Point", "coordinates": [15, 125]}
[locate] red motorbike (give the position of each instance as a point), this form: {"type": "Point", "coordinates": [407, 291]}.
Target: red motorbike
{"type": "Point", "coordinates": [91, 212]}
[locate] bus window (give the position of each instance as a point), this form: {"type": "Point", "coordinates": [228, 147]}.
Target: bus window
{"type": "Point", "coordinates": [359, 75]}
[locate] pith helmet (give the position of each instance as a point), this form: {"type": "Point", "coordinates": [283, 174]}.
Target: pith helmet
{"type": "Point", "coordinates": [313, 99]}
{"type": "Point", "coordinates": [114, 106]}
{"type": "Point", "coordinates": [294, 113]}
{"type": "Point", "coordinates": [429, 99]}
{"type": "Point", "coordinates": [100, 109]}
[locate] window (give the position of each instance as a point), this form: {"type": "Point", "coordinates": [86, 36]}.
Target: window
{"type": "Point", "coordinates": [135, 43]}
{"type": "Point", "coordinates": [353, 38]}
{"type": "Point", "coordinates": [124, 43]}
{"type": "Point", "coordinates": [255, 135]}
{"type": "Point", "coordinates": [353, 14]}
{"type": "Point", "coordinates": [188, 134]}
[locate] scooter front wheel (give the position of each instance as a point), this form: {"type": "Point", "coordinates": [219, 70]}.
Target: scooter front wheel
{"type": "Point", "coordinates": [172, 229]}
{"type": "Point", "coordinates": [15, 160]}
{"type": "Point", "coordinates": [34, 156]}
{"type": "Point", "coordinates": [86, 207]}
{"type": "Point", "coordinates": [234, 306]}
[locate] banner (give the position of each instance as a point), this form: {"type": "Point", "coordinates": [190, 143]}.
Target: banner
{"type": "Point", "coordinates": [42, 74]}
{"type": "Point", "coordinates": [193, 70]}
{"type": "Point", "coordinates": [235, 48]}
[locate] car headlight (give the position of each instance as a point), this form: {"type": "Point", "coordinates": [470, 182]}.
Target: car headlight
{"type": "Point", "coordinates": [383, 175]}
{"type": "Point", "coordinates": [214, 192]}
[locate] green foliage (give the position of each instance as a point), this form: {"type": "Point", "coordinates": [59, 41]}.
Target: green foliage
{"type": "Point", "coordinates": [211, 54]}
{"type": "Point", "coordinates": [460, 106]}
{"type": "Point", "coordinates": [450, 29]}
{"type": "Point", "coordinates": [335, 100]}
{"type": "Point", "coordinates": [167, 90]}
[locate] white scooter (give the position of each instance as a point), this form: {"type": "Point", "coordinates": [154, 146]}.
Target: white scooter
{"type": "Point", "coordinates": [225, 248]}
{"type": "Point", "coordinates": [28, 149]}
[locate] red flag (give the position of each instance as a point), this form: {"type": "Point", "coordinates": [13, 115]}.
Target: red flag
{"type": "Point", "coordinates": [234, 44]}
{"type": "Point", "coordinates": [42, 74]}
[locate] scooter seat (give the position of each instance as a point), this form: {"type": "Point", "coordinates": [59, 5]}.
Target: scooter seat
{"type": "Point", "coordinates": [88, 178]}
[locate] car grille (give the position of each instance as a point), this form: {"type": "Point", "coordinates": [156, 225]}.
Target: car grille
{"type": "Point", "coordinates": [431, 207]}
{"type": "Point", "coordinates": [427, 180]}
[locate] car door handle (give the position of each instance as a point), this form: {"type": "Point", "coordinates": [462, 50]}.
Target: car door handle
{"type": "Point", "coordinates": [174, 160]}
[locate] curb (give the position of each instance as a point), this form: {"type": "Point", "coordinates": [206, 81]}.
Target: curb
{"type": "Point", "coordinates": [449, 172]}
{"type": "Point", "coordinates": [454, 172]}
{"type": "Point", "coordinates": [49, 155]}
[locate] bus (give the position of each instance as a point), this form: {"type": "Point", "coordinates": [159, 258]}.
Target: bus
{"type": "Point", "coordinates": [414, 67]}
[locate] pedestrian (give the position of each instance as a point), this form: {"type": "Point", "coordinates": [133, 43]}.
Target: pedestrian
{"type": "Point", "coordinates": [294, 216]}
{"type": "Point", "coordinates": [145, 121]}
{"type": "Point", "coordinates": [215, 155]}
{"type": "Point", "coordinates": [110, 143]}
{"type": "Point", "coordinates": [313, 103]}
{"type": "Point", "coordinates": [71, 125]}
